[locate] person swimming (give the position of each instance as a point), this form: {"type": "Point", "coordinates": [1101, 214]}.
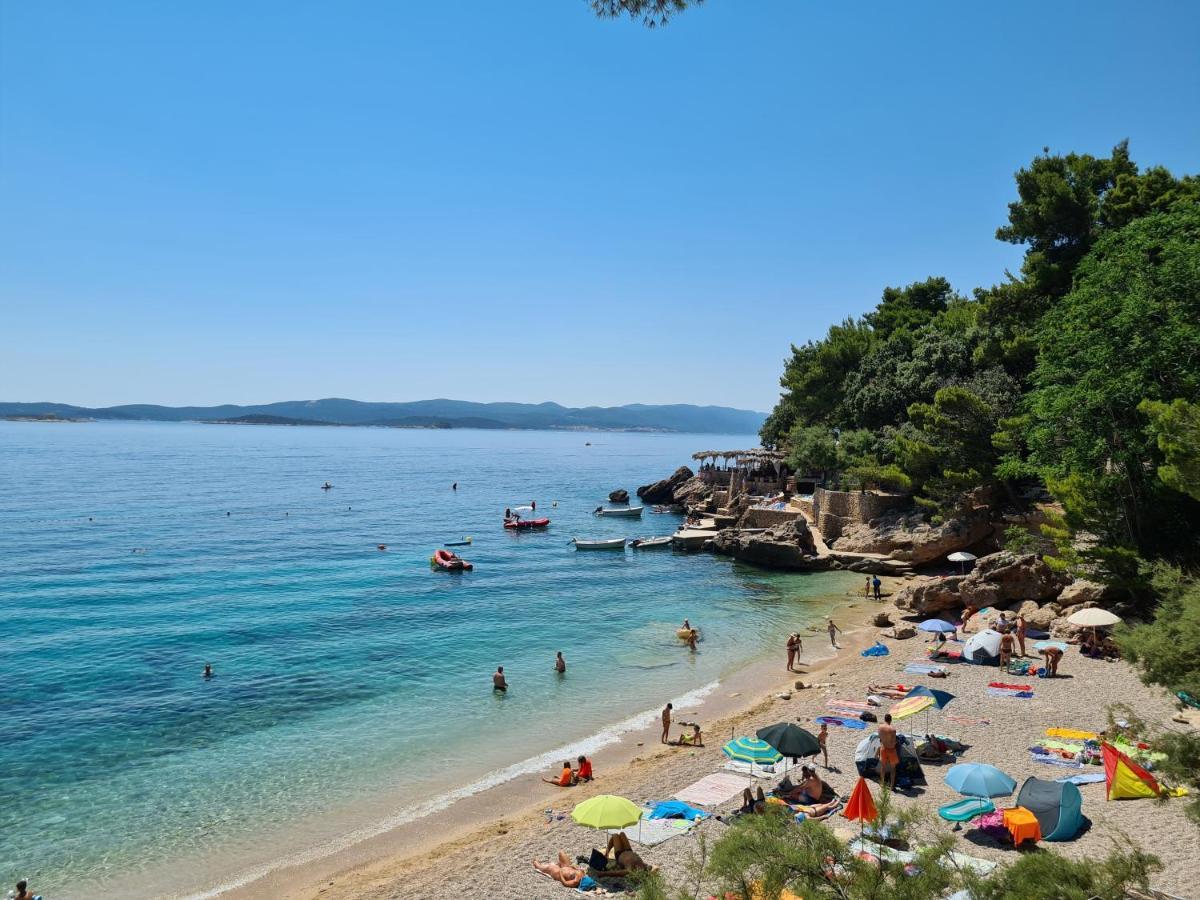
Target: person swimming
{"type": "Point", "coordinates": [208, 672]}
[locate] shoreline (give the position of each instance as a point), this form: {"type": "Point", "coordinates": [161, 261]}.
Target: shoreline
{"type": "Point", "coordinates": [521, 801]}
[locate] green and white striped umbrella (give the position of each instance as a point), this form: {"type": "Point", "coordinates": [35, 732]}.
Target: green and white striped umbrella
{"type": "Point", "coordinates": [752, 750]}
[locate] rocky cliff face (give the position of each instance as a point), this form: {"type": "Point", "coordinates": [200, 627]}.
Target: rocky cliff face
{"type": "Point", "coordinates": [788, 546]}
{"type": "Point", "coordinates": [908, 537]}
{"type": "Point", "coordinates": [694, 490]}
{"type": "Point", "coordinates": [997, 580]}
{"type": "Point", "coordinates": [620, 495]}
{"type": "Point", "coordinates": [664, 491]}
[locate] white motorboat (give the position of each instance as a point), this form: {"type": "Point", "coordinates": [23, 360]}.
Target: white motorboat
{"type": "Point", "coordinates": [650, 543]}
{"type": "Point", "coordinates": [632, 512]}
{"type": "Point", "coordinates": [611, 544]}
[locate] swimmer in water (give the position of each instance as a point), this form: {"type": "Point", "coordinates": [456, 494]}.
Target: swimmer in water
{"type": "Point", "coordinates": [560, 664]}
{"type": "Point", "coordinates": [692, 635]}
{"type": "Point", "coordinates": [499, 682]}
{"type": "Point", "coordinates": [208, 672]}
{"type": "Point", "coordinates": [454, 487]}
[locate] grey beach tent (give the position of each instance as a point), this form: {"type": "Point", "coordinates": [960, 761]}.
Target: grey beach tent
{"type": "Point", "coordinates": [983, 649]}
{"type": "Point", "coordinates": [866, 759]}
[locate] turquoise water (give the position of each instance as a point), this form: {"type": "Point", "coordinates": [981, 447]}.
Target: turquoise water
{"type": "Point", "coordinates": [349, 681]}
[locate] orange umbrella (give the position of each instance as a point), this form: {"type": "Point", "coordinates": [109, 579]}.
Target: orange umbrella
{"type": "Point", "coordinates": [861, 805]}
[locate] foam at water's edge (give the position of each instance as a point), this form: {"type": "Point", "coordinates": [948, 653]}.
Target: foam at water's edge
{"type": "Point", "coordinates": [538, 763]}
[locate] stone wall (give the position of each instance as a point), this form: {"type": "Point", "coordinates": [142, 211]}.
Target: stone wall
{"type": "Point", "coordinates": [767, 518]}
{"type": "Point", "coordinates": [833, 510]}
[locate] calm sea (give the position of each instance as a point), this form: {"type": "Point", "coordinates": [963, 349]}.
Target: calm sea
{"type": "Point", "coordinates": [352, 684]}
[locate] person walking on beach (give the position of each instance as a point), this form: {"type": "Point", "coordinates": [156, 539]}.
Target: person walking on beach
{"type": "Point", "coordinates": [560, 664]}
{"type": "Point", "coordinates": [876, 584]}
{"type": "Point", "coordinates": [889, 756]}
{"type": "Point", "coordinates": [1006, 650]}
{"type": "Point", "coordinates": [822, 737]}
{"type": "Point", "coordinates": [666, 722]}
{"type": "Point", "coordinates": [1022, 633]}
{"type": "Point", "coordinates": [833, 630]}
{"type": "Point", "coordinates": [499, 682]}
{"type": "Point", "coordinates": [867, 591]}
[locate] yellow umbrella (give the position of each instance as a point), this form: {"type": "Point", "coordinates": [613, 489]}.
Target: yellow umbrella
{"type": "Point", "coordinates": [606, 812]}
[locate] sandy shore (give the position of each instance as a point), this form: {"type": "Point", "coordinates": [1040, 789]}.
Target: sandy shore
{"type": "Point", "coordinates": [482, 846]}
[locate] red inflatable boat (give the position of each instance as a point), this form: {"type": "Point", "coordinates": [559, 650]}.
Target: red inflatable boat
{"type": "Point", "coordinates": [450, 562]}
{"type": "Point", "coordinates": [526, 523]}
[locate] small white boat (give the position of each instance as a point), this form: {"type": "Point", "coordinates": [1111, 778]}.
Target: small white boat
{"type": "Point", "coordinates": [611, 544]}
{"type": "Point", "coordinates": [632, 512]}
{"type": "Point", "coordinates": [650, 543]}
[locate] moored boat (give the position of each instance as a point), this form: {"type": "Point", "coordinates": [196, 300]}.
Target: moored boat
{"type": "Point", "coordinates": [610, 544]}
{"type": "Point", "coordinates": [650, 543]}
{"type": "Point", "coordinates": [524, 517]}
{"type": "Point", "coordinates": [631, 512]}
{"type": "Point", "coordinates": [449, 562]}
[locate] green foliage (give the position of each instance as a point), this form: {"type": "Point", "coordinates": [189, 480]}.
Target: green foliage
{"type": "Point", "coordinates": [1167, 650]}
{"type": "Point", "coordinates": [908, 308]}
{"type": "Point", "coordinates": [1130, 330]}
{"type": "Point", "coordinates": [1058, 213]}
{"type": "Point", "coordinates": [1019, 540]}
{"type": "Point", "coordinates": [1048, 874]}
{"type": "Point", "coordinates": [650, 12]}
{"type": "Point", "coordinates": [813, 450]}
{"type": "Point", "coordinates": [1176, 428]}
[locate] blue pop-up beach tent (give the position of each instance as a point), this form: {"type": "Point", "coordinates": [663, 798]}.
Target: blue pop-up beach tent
{"type": "Point", "coordinates": [1058, 806]}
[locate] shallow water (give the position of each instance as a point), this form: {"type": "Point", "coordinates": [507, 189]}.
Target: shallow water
{"type": "Point", "coordinates": [346, 678]}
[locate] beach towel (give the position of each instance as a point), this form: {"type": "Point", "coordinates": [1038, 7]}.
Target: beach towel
{"type": "Point", "coordinates": [1050, 758]}
{"type": "Point", "coordinates": [746, 770]}
{"type": "Point", "coordinates": [1071, 734]}
{"type": "Point", "coordinates": [712, 789]}
{"type": "Point", "coordinates": [1090, 778]}
{"type": "Point", "coordinates": [652, 832]}
{"type": "Point", "coordinates": [925, 669]}
{"type": "Point", "coordinates": [856, 705]}
{"type": "Point", "coordinates": [1012, 695]}
{"type": "Point", "coordinates": [841, 722]}
{"type": "Point", "coordinates": [674, 809]}
{"type": "Point", "coordinates": [1010, 687]}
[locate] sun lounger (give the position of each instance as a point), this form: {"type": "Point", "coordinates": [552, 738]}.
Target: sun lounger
{"type": "Point", "coordinates": [965, 810]}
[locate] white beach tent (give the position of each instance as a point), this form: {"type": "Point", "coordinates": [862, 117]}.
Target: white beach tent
{"type": "Point", "coordinates": [983, 649]}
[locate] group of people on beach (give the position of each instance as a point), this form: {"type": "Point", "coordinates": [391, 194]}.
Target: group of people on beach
{"type": "Point", "coordinates": [795, 645]}
{"type": "Point", "coordinates": [569, 777]}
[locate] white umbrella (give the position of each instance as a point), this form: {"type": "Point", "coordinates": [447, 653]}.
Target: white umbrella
{"type": "Point", "coordinates": [962, 557]}
{"type": "Point", "coordinates": [1093, 617]}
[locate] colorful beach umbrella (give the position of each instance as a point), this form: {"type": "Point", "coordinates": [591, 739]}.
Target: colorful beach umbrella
{"type": "Point", "coordinates": [790, 740]}
{"type": "Point", "coordinates": [861, 807]}
{"type": "Point", "coordinates": [979, 780]}
{"type": "Point", "coordinates": [752, 750]}
{"type": "Point", "coordinates": [910, 706]}
{"type": "Point", "coordinates": [607, 811]}
{"type": "Point", "coordinates": [939, 698]}
{"type": "Point", "coordinates": [938, 625]}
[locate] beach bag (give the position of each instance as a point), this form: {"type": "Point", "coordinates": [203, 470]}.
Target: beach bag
{"type": "Point", "coordinates": [868, 717]}
{"type": "Point", "coordinates": [598, 861]}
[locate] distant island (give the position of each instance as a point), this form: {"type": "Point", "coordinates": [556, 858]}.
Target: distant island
{"type": "Point", "coordinates": [440, 413]}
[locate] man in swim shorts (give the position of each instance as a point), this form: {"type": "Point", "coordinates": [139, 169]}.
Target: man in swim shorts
{"type": "Point", "coordinates": [499, 683]}
{"type": "Point", "coordinates": [889, 755]}
{"type": "Point", "coordinates": [666, 722]}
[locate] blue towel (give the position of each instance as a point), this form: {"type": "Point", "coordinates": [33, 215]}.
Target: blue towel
{"type": "Point", "coordinates": [588, 884]}
{"type": "Point", "coordinates": [1090, 778]}
{"type": "Point", "coordinates": [877, 650]}
{"type": "Point", "coordinates": [676, 809]}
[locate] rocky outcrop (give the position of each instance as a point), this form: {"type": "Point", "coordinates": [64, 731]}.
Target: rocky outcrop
{"type": "Point", "coordinates": [620, 495]}
{"type": "Point", "coordinates": [789, 546]}
{"type": "Point", "coordinates": [908, 537]}
{"type": "Point", "coordinates": [997, 580]}
{"type": "Point", "coordinates": [691, 491]}
{"type": "Point", "coordinates": [1089, 592]}
{"type": "Point", "coordinates": [664, 491]}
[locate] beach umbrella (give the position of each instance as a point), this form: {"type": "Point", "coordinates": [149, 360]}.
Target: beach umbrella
{"type": "Point", "coordinates": [607, 811]}
{"type": "Point", "coordinates": [940, 699]}
{"type": "Point", "coordinates": [979, 780]}
{"type": "Point", "coordinates": [861, 807]}
{"type": "Point", "coordinates": [790, 740]}
{"type": "Point", "coordinates": [1093, 617]}
{"type": "Point", "coordinates": [962, 557]}
{"type": "Point", "coordinates": [938, 625]}
{"type": "Point", "coordinates": [753, 751]}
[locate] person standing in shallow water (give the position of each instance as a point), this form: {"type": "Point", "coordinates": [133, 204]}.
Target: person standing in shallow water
{"type": "Point", "coordinates": [499, 682]}
{"type": "Point", "coordinates": [833, 630]}
{"type": "Point", "coordinates": [876, 584]}
{"type": "Point", "coordinates": [560, 664]}
{"type": "Point", "coordinates": [867, 590]}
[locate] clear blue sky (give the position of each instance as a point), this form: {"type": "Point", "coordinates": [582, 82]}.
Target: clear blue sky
{"type": "Point", "coordinates": [513, 200]}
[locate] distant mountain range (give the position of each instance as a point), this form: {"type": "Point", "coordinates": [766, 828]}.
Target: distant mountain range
{"type": "Point", "coordinates": [680, 417]}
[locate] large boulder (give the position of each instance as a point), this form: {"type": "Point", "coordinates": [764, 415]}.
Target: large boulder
{"type": "Point", "coordinates": [664, 491]}
{"type": "Point", "coordinates": [620, 495]}
{"type": "Point", "coordinates": [932, 597]}
{"type": "Point", "coordinates": [787, 546]}
{"type": "Point", "coordinates": [908, 537]}
{"type": "Point", "coordinates": [691, 491]}
{"type": "Point", "coordinates": [1003, 577]}
{"type": "Point", "coordinates": [1090, 592]}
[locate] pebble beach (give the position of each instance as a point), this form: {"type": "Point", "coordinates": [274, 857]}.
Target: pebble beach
{"type": "Point", "coordinates": [494, 859]}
